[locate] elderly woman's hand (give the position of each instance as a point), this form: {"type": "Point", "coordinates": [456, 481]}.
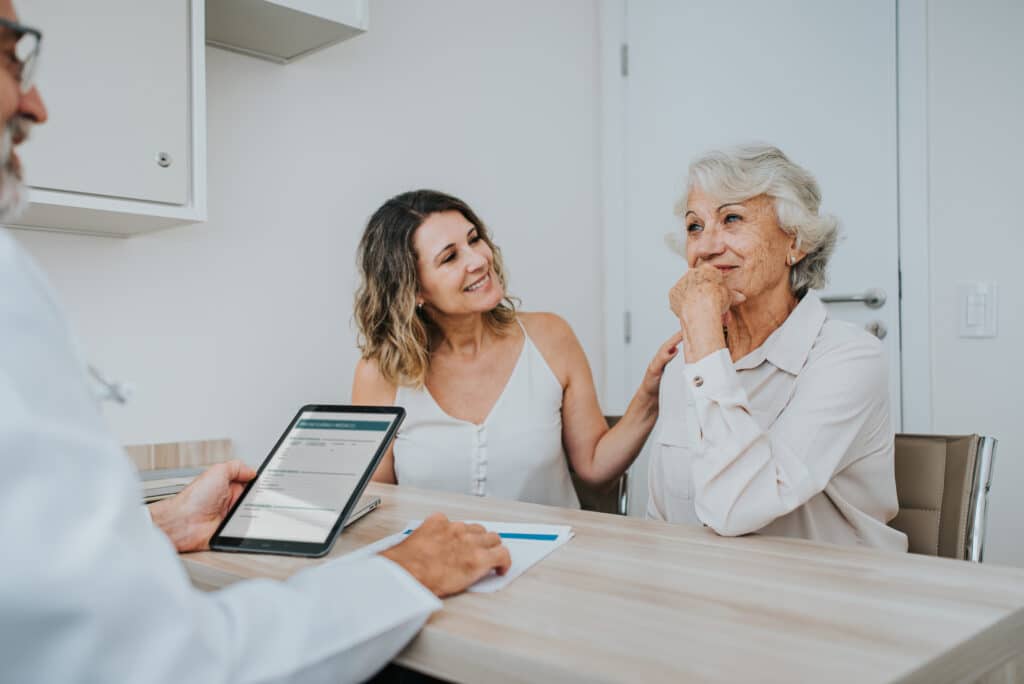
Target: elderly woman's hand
{"type": "Point", "coordinates": [701, 300]}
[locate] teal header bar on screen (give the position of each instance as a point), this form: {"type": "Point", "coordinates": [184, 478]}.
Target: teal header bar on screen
{"type": "Point", "coordinates": [322, 424]}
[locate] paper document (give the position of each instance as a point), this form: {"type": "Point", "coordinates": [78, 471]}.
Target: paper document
{"type": "Point", "coordinates": [527, 544]}
{"type": "Point", "coordinates": [165, 482]}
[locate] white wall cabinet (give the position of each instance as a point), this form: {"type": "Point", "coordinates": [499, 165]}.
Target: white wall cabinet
{"type": "Point", "coordinates": [283, 31]}
{"type": "Point", "coordinates": [124, 151]}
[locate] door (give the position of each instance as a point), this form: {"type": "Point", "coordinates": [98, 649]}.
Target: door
{"type": "Point", "coordinates": [818, 80]}
{"type": "Point", "coordinates": [115, 77]}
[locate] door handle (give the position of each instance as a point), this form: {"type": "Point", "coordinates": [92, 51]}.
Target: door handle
{"type": "Point", "coordinates": [873, 299]}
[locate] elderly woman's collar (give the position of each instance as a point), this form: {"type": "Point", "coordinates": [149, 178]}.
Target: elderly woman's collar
{"type": "Point", "coordinates": [788, 347]}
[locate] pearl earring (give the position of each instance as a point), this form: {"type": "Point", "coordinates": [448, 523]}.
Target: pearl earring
{"type": "Point", "coordinates": [791, 259]}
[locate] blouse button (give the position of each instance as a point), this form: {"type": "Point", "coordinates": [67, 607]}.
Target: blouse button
{"type": "Point", "coordinates": [698, 381]}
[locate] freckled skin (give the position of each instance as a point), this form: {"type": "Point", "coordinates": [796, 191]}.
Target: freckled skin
{"type": "Point", "coordinates": [753, 240]}
{"type": "Point", "coordinates": [738, 276]}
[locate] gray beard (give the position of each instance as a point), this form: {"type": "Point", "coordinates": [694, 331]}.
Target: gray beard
{"type": "Point", "coordinates": [13, 193]}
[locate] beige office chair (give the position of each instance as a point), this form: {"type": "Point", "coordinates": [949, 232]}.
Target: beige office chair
{"type": "Point", "coordinates": [942, 484]}
{"type": "Point", "coordinates": [612, 499]}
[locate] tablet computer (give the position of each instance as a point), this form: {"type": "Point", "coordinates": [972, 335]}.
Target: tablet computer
{"type": "Point", "coordinates": [312, 481]}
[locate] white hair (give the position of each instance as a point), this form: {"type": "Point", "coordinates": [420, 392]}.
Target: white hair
{"type": "Point", "coordinates": [743, 172]}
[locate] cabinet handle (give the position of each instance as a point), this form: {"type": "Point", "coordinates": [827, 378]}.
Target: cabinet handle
{"type": "Point", "coordinates": [164, 160]}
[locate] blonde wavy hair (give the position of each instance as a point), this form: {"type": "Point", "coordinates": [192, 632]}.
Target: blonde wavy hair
{"type": "Point", "coordinates": [391, 329]}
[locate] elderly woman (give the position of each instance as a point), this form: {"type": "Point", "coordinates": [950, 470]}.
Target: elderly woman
{"type": "Point", "coordinates": [498, 402]}
{"type": "Point", "coordinates": [775, 419]}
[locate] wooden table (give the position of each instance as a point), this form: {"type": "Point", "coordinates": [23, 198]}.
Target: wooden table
{"type": "Point", "coordinates": [631, 600]}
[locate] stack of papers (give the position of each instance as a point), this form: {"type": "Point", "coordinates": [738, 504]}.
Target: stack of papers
{"type": "Point", "coordinates": [163, 489]}
{"type": "Point", "coordinates": [161, 484]}
{"type": "Point", "coordinates": [527, 544]}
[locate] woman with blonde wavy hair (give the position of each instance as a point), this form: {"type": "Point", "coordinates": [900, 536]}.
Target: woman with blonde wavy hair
{"type": "Point", "coordinates": [496, 399]}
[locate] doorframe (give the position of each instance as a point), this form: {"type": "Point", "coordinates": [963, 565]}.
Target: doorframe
{"type": "Point", "coordinates": [912, 197]}
{"type": "Point", "coordinates": [913, 201]}
{"type": "Point", "coordinates": [612, 40]}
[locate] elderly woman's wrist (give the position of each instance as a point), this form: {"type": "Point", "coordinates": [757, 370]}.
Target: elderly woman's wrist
{"type": "Point", "coordinates": [702, 315]}
{"type": "Point", "coordinates": [703, 342]}
{"type": "Point", "coordinates": [700, 353]}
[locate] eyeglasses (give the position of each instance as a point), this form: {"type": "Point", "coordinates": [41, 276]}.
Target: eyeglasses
{"type": "Point", "coordinates": [20, 52]}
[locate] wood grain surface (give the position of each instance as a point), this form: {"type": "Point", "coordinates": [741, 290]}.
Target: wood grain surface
{"type": "Point", "coordinates": [632, 600]}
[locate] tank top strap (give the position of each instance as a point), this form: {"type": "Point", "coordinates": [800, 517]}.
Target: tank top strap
{"type": "Point", "coordinates": [537, 366]}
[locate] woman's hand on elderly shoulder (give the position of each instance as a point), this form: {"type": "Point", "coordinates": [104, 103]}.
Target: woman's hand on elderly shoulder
{"type": "Point", "coordinates": [666, 352]}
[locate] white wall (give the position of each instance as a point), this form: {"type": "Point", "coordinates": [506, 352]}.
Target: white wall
{"type": "Point", "coordinates": [229, 326]}
{"type": "Point", "coordinates": [976, 147]}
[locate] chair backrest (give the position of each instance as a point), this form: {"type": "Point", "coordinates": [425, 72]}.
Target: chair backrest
{"type": "Point", "coordinates": [613, 498]}
{"type": "Point", "coordinates": [942, 484]}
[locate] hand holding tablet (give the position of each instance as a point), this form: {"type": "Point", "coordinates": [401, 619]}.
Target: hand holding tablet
{"type": "Point", "coordinates": [309, 486]}
{"type": "Point", "coordinates": [193, 515]}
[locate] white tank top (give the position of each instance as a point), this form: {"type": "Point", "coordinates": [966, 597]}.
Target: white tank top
{"type": "Point", "coordinates": [516, 453]}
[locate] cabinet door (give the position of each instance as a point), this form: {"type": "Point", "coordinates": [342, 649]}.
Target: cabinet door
{"type": "Point", "coordinates": [115, 77]}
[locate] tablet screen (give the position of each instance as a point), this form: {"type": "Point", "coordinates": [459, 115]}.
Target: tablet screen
{"type": "Point", "coordinates": [310, 476]}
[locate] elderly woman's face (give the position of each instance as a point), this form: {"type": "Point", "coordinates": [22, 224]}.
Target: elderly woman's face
{"type": "Point", "coordinates": [743, 240]}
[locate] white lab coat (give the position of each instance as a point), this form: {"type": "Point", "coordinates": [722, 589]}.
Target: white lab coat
{"type": "Point", "coordinates": [92, 591]}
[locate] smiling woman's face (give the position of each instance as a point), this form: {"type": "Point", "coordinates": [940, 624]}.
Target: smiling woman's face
{"type": "Point", "coordinates": [743, 240]}
{"type": "Point", "coordinates": [455, 266]}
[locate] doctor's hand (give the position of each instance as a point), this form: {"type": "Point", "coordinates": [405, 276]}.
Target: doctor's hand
{"type": "Point", "coordinates": [192, 515]}
{"type": "Point", "coordinates": [447, 557]}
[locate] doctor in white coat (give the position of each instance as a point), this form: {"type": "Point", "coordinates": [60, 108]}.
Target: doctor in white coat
{"type": "Point", "coordinates": [91, 588]}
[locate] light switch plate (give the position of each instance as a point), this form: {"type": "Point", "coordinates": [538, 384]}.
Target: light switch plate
{"type": "Point", "coordinates": [977, 308]}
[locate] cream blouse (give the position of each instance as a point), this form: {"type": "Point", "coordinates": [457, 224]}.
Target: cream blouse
{"type": "Point", "coordinates": [795, 439]}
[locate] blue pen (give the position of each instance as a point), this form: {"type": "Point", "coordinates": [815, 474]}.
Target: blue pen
{"type": "Point", "coordinates": [519, 535]}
